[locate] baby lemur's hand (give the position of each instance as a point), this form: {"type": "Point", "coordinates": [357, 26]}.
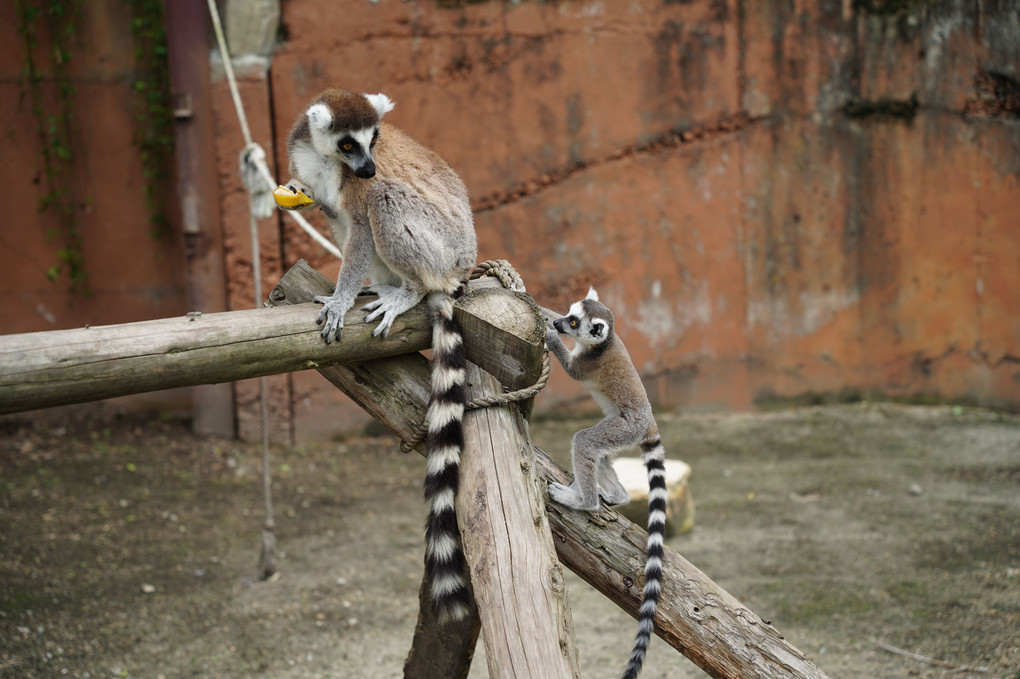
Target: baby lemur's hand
{"type": "Point", "coordinates": [549, 315]}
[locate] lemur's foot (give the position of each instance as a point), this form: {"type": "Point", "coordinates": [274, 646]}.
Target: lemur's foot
{"type": "Point", "coordinates": [391, 303]}
{"type": "Point", "coordinates": [331, 318]}
{"type": "Point", "coordinates": [614, 498]}
{"type": "Point", "coordinates": [569, 497]}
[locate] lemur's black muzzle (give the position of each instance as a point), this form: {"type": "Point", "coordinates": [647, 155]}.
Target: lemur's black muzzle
{"type": "Point", "coordinates": [560, 325]}
{"type": "Point", "coordinates": [365, 170]}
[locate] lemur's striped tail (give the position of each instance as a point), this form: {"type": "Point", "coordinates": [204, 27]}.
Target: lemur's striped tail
{"type": "Point", "coordinates": [444, 560]}
{"type": "Point", "coordinates": [655, 462]}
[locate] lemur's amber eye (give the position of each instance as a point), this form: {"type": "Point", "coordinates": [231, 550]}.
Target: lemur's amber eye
{"type": "Point", "coordinates": [573, 322]}
{"type": "Point", "coordinates": [347, 147]}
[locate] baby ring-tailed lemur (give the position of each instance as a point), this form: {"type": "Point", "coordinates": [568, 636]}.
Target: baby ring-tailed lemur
{"type": "Point", "coordinates": [600, 360]}
{"type": "Point", "coordinates": [403, 220]}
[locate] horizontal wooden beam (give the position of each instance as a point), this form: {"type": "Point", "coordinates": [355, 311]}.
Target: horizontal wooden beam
{"type": "Point", "coordinates": [59, 367]}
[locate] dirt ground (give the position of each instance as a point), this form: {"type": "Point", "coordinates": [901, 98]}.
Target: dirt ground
{"type": "Point", "coordinates": [129, 546]}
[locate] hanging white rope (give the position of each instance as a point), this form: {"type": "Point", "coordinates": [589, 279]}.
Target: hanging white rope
{"type": "Point", "coordinates": [252, 152]}
{"type": "Point", "coordinates": [260, 184]}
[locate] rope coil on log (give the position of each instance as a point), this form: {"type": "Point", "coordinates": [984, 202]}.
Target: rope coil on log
{"type": "Point", "coordinates": [505, 273]}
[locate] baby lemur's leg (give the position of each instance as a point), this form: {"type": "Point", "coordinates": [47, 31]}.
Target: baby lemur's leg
{"type": "Point", "coordinates": [585, 451]}
{"type": "Point", "coordinates": [611, 490]}
{"type": "Point", "coordinates": [588, 448]}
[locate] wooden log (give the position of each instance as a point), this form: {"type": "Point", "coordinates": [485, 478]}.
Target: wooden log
{"type": "Point", "coordinates": [696, 616]}
{"type": "Point", "coordinates": [517, 580]}
{"type": "Point", "coordinates": [441, 651]}
{"type": "Point", "coordinates": [679, 503]}
{"type": "Point", "coordinates": [43, 369]}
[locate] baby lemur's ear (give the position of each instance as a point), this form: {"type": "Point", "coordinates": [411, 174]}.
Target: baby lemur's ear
{"type": "Point", "coordinates": [592, 294]}
{"type": "Point", "coordinates": [598, 328]}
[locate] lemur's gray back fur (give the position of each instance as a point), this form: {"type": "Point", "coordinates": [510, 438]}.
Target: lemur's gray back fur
{"type": "Point", "coordinates": [600, 360]}
{"type": "Point", "coordinates": [403, 220]}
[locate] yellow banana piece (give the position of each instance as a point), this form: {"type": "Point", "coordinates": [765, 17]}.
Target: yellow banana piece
{"type": "Point", "coordinates": [286, 198]}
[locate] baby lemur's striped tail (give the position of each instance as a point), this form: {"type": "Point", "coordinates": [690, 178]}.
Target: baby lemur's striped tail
{"type": "Point", "coordinates": [444, 560]}
{"type": "Point", "coordinates": [655, 462]}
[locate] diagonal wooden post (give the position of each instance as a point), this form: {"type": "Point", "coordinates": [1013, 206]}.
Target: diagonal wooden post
{"type": "Point", "coordinates": [441, 651]}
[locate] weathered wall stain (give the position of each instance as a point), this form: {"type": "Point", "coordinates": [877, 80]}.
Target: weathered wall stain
{"type": "Point", "coordinates": [132, 275]}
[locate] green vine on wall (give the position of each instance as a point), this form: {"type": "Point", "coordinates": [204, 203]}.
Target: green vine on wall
{"type": "Point", "coordinates": [154, 117]}
{"type": "Point", "coordinates": [54, 124]}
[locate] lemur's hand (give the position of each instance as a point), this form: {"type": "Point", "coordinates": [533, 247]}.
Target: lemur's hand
{"type": "Point", "coordinates": [331, 318]}
{"type": "Point", "coordinates": [293, 196]}
{"type": "Point", "coordinates": [551, 335]}
{"type": "Point", "coordinates": [549, 315]}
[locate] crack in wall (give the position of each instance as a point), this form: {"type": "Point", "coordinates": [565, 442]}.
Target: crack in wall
{"type": "Point", "coordinates": [883, 109]}
{"type": "Point", "coordinates": [724, 126]}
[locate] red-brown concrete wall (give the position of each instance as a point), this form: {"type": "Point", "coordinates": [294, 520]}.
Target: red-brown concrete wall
{"type": "Point", "coordinates": [714, 170]}
{"type": "Point", "coordinates": [778, 199]}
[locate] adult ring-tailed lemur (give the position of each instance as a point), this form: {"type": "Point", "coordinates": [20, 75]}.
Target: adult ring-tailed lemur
{"type": "Point", "coordinates": [402, 219]}
{"type": "Point", "coordinates": [600, 360]}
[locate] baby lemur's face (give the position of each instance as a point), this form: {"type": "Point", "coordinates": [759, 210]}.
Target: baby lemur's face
{"type": "Point", "coordinates": [589, 321]}
{"type": "Point", "coordinates": [345, 126]}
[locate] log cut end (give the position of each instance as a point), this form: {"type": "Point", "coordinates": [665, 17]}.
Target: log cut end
{"type": "Point", "coordinates": [679, 505]}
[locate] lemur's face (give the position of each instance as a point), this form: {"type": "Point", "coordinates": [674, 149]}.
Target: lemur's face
{"type": "Point", "coordinates": [347, 129]}
{"type": "Point", "coordinates": [589, 322]}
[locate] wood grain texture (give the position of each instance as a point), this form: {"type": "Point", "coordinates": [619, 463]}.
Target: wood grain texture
{"type": "Point", "coordinates": [39, 370]}
{"type": "Point", "coordinates": [696, 616]}
{"type": "Point", "coordinates": [44, 369]}
{"type": "Point", "coordinates": [516, 577]}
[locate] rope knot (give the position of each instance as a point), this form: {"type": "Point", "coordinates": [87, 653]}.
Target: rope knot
{"type": "Point", "coordinates": [505, 273]}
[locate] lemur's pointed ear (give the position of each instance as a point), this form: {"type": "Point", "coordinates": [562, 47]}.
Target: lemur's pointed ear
{"type": "Point", "coordinates": [598, 328]}
{"type": "Point", "coordinates": [592, 294]}
{"type": "Point", "coordinates": [319, 117]}
{"type": "Point", "coordinates": [381, 103]}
